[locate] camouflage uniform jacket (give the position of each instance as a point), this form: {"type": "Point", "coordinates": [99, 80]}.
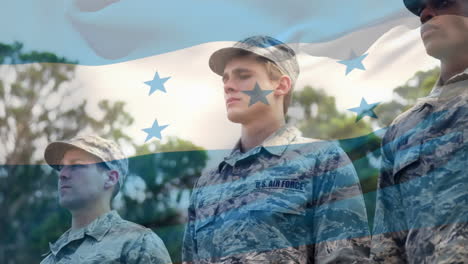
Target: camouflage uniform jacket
{"type": "Point", "coordinates": [285, 201]}
{"type": "Point", "coordinates": [108, 239]}
{"type": "Point", "coordinates": [422, 201]}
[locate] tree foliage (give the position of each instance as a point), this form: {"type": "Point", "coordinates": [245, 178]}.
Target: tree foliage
{"type": "Point", "coordinates": [405, 96]}
{"type": "Point", "coordinates": [322, 119]}
{"type": "Point", "coordinates": [39, 104]}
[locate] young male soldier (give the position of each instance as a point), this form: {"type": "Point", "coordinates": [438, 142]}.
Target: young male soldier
{"type": "Point", "coordinates": [273, 200]}
{"type": "Point", "coordinates": [422, 207]}
{"type": "Point", "coordinates": [91, 170]}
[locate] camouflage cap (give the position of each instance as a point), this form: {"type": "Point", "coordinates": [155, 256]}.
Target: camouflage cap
{"type": "Point", "coordinates": [106, 150]}
{"type": "Point", "coordinates": [415, 6]}
{"type": "Point", "coordinates": [264, 46]}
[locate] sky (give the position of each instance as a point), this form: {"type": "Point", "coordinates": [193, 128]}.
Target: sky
{"type": "Point", "coordinates": [193, 106]}
{"type": "Point", "coordinates": [127, 30]}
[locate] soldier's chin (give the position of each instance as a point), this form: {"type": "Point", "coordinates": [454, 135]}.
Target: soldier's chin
{"type": "Point", "coordinates": [235, 116]}
{"type": "Point", "coordinates": [70, 204]}
{"type": "Point", "coordinates": [437, 50]}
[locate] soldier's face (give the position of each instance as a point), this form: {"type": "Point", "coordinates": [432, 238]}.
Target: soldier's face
{"type": "Point", "coordinates": [444, 29]}
{"type": "Point", "coordinates": [81, 180]}
{"type": "Point", "coordinates": [241, 74]}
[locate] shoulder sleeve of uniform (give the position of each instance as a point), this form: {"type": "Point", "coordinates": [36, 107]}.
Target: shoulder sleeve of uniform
{"type": "Point", "coordinates": [389, 235]}
{"type": "Point", "coordinates": [389, 140]}
{"type": "Point", "coordinates": [47, 258]}
{"type": "Point", "coordinates": [406, 113]}
{"type": "Point", "coordinates": [189, 243]}
{"type": "Point", "coordinates": [148, 248]}
{"type": "Point", "coordinates": [205, 178]}
{"type": "Point", "coordinates": [340, 232]}
{"type": "Point", "coordinates": [334, 172]}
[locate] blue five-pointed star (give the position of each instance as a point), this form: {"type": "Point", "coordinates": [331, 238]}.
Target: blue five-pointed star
{"type": "Point", "coordinates": [258, 95]}
{"type": "Point", "coordinates": [157, 83]}
{"type": "Point", "coordinates": [364, 109]}
{"type": "Point", "coordinates": [154, 131]}
{"type": "Point", "coordinates": [355, 62]}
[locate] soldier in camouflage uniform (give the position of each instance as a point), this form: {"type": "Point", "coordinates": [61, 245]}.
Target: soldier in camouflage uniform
{"type": "Point", "coordinates": [278, 197]}
{"type": "Point", "coordinates": [422, 201]}
{"type": "Point", "coordinates": [91, 172]}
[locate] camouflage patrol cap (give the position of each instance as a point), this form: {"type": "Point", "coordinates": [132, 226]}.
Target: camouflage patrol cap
{"type": "Point", "coordinates": [415, 6]}
{"type": "Point", "coordinates": [106, 150]}
{"type": "Point", "coordinates": [267, 47]}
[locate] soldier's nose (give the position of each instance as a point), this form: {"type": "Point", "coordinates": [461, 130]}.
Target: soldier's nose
{"type": "Point", "coordinates": [64, 172]}
{"type": "Point", "coordinates": [427, 14]}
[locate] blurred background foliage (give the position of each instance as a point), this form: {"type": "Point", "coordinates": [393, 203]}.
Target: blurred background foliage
{"type": "Point", "coordinates": [32, 113]}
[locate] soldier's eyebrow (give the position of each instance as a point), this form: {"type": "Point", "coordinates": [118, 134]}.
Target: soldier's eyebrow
{"type": "Point", "coordinates": [78, 161]}
{"type": "Point", "coordinates": [242, 70]}
{"type": "Point", "coordinates": [237, 72]}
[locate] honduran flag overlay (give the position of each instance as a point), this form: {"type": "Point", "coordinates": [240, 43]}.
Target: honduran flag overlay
{"type": "Point", "coordinates": [103, 32]}
{"type": "Point", "coordinates": [153, 57]}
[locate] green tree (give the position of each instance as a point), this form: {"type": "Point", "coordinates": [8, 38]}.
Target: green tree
{"type": "Point", "coordinates": [39, 104]}
{"type": "Point", "coordinates": [405, 96]}
{"type": "Point", "coordinates": [322, 119]}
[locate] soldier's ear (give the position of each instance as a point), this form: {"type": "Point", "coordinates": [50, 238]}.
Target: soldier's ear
{"type": "Point", "coordinates": [112, 178]}
{"type": "Point", "coordinates": [284, 86]}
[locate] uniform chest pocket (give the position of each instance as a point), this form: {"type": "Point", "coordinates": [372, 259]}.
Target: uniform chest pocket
{"type": "Point", "coordinates": [406, 159]}
{"type": "Point", "coordinates": [280, 215]}
{"type": "Point", "coordinates": [200, 223]}
{"type": "Point", "coordinates": [279, 201]}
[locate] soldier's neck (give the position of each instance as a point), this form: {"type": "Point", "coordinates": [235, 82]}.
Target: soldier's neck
{"type": "Point", "coordinates": [452, 68]}
{"type": "Point", "coordinates": [254, 133]}
{"type": "Point", "coordinates": [84, 216]}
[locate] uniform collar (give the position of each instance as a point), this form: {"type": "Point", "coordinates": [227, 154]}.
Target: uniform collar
{"type": "Point", "coordinates": [99, 227]}
{"type": "Point", "coordinates": [96, 229]}
{"type": "Point", "coordinates": [454, 86]}
{"type": "Point", "coordinates": [456, 78]}
{"type": "Point", "coordinates": [444, 88]}
{"type": "Point", "coordinates": [276, 144]}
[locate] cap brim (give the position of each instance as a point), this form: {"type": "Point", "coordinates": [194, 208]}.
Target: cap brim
{"type": "Point", "coordinates": [55, 151]}
{"type": "Point", "coordinates": [413, 5]}
{"type": "Point", "coordinates": [220, 57]}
